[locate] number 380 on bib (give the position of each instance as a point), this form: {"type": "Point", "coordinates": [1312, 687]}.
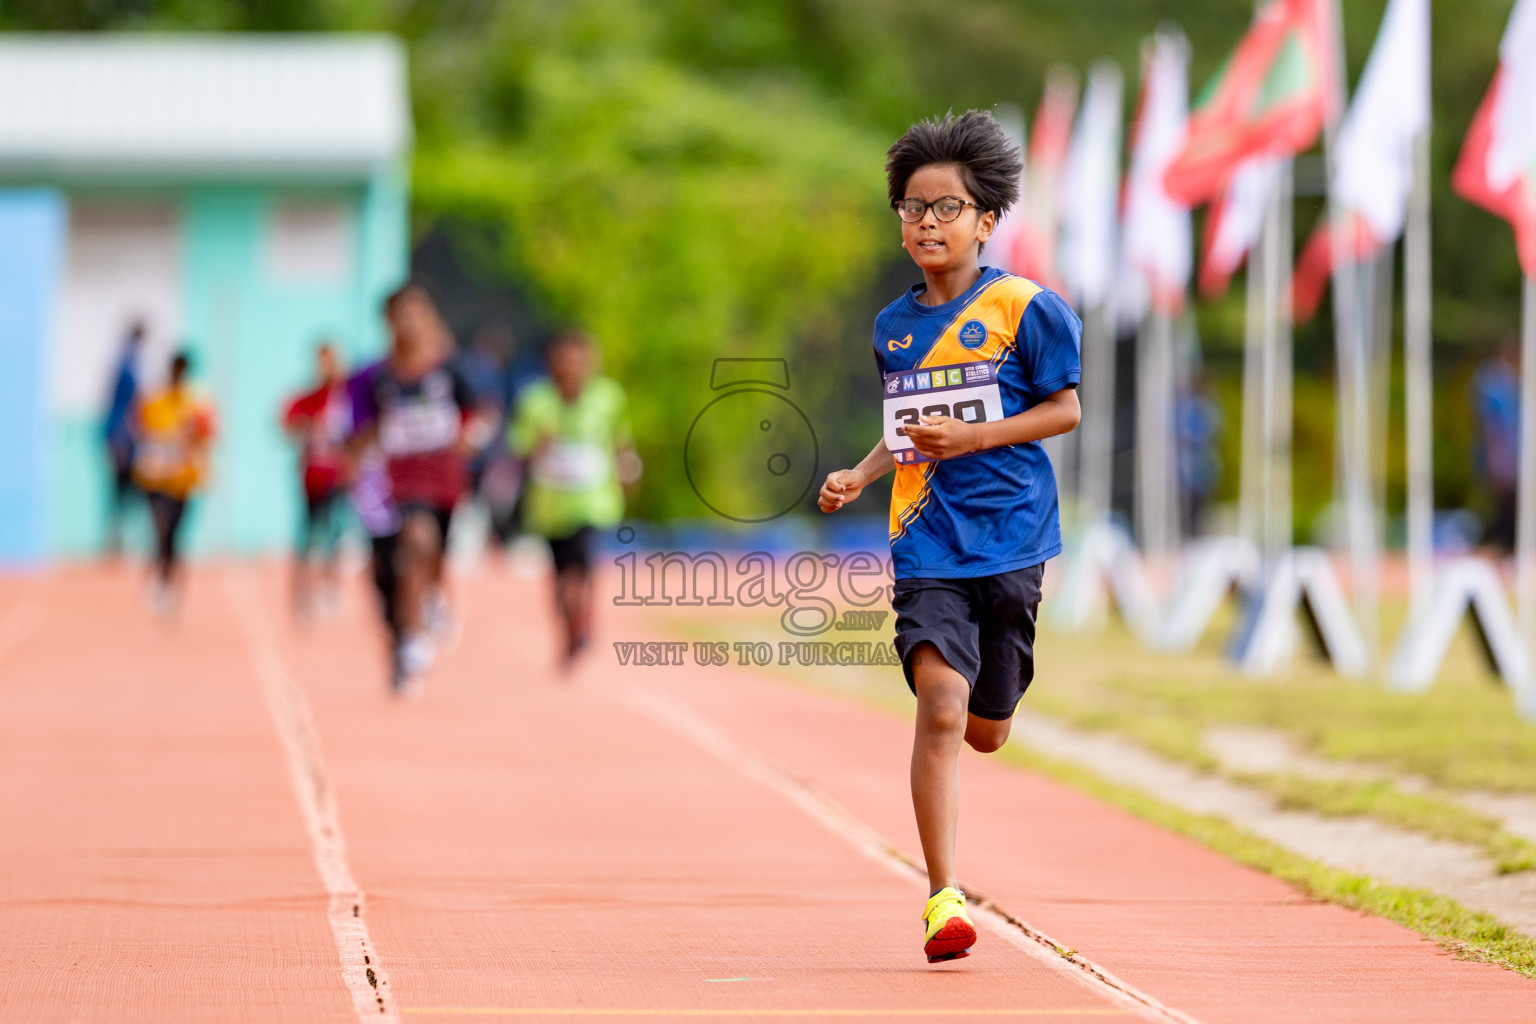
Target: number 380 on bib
{"type": "Point", "coordinates": [964, 391]}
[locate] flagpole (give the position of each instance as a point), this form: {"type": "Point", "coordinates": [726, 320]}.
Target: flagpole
{"type": "Point", "coordinates": [1154, 440]}
{"type": "Point", "coordinates": [1276, 401]}
{"type": "Point", "coordinates": [1280, 261]}
{"type": "Point", "coordinates": [1418, 412]}
{"type": "Point", "coordinates": [1101, 114]}
{"type": "Point", "coordinates": [1250, 495]}
{"type": "Point", "coordinates": [1352, 408]}
{"type": "Point", "coordinates": [1525, 536]}
{"type": "Point", "coordinates": [1382, 354]}
{"type": "Point", "coordinates": [1096, 453]}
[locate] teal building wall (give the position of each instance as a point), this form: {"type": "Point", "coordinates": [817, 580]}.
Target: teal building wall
{"type": "Point", "coordinates": [253, 339]}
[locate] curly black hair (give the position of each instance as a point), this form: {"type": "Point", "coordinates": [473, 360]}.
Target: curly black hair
{"type": "Point", "coordinates": [990, 164]}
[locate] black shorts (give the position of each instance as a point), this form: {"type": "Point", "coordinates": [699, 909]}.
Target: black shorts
{"type": "Point", "coordinates": [984, 627]}
{"type": "Point", "coordinates": [573, 552]}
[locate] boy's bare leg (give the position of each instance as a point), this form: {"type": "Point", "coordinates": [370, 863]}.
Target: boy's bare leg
{"type": "Point", "coordinates": [943, 721]}
{"type": "Point", "coordinates": [942, 695]}
{"type": "Point", "coordinates": [573, 600]}
{"type": "Point", "coordinates": [418, 554]}
{"type": "Point", "coordinates": [985, 734]}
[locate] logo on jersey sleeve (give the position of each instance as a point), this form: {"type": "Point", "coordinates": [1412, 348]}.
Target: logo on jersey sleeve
{"type": "Point", "coordinates": [893, 344]}
{"type": "Point", "coordinates": [973, 334]}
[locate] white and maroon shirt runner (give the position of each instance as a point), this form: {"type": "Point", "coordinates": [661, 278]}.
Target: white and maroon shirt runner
{"type": "Point", "coordinates": [419, 422]}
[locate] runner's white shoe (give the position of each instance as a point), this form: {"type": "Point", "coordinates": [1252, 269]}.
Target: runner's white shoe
{"type": "Point", "coordinates": [416, 654]}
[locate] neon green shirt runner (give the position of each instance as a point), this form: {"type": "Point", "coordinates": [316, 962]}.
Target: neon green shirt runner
{"type": "Point", "coordinates": [573, 481]}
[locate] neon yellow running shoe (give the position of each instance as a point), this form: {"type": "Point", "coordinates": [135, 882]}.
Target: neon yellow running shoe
{"type": "Point", "coordinates": [950, 931]}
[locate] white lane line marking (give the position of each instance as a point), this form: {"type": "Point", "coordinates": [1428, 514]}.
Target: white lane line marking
{"type": "Point", "coordinates": [681, 718]}
{"type": "Point", "coordinates": [360, 968]}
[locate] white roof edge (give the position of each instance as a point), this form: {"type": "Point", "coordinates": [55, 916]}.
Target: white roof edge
{"type": "Point", "coordinates": [155, 101]}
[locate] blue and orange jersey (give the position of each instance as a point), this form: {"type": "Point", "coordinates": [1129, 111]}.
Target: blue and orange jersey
{"type": "Point", "coordinates": [992, 511]}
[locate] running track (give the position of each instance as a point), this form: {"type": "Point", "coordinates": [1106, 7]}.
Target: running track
{"type": "Point", "coordinates": [223, 818]}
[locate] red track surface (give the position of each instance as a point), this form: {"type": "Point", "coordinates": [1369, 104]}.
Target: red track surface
{"type": "Point", "coordinates": [546, 849]}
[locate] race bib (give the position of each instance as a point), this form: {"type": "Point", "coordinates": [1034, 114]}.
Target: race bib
{"type": "Point", "coordinates": [415, 427]}
{"type": "Point", "coordinates": [965, 391]}
{"type": "Point", "coordinates": [571, 465]}
{"type": "Point", "coordinates": [161, 458]}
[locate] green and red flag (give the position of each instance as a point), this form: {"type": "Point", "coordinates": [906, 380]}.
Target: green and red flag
{"type": "Point", "coordinates": [1271, 97]}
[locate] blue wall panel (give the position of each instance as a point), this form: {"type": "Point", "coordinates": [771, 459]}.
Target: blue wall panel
{"type": "Point", "coordinates": [32, 232]}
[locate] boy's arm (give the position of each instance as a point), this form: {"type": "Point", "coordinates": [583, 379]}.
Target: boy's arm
{"type": "Point", "coordinates": [944, 437]}
{"type": "Point", "coordinates": [844, 485]}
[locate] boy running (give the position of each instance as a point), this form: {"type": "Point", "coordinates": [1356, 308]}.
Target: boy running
{"type": "Point", "coordinates": [574, 429]}
{"type": "Point", "coordinates": [175, 431]}
{"type": "Point", "coordinates": [374, 505]}
{"type": "Point", "coordinates": [977, 367]}
{"type": "Point", "coordinates": [320, 421]}
{"type": "Point", "coordinates": [421, 415]}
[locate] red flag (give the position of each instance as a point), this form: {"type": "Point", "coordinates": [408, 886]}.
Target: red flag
{"type": "Point", "coordinates": [1471, 179]}
{"type": "Point", "coordinates": [1271, 96]}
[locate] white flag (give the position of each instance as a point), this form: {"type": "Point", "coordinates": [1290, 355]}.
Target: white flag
{"type": "Point", "coordinates": [1391, 107]}
{"type": "Point", "coordinates": [1240, 219]}
{"type": "Point", "coordinates": [1158, 239]}
{"type": "Point", "coordinates": [1088, 191]}
{"type": "Point", "coordinates": [1513, 148]}
{"type": "Point", "coordinates": [1002, 247]}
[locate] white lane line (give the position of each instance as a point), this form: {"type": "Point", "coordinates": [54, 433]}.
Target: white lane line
{"type": "Point", "coordinates": [360, 968]}
{"type": "Point", "coordinates": [681, 718]}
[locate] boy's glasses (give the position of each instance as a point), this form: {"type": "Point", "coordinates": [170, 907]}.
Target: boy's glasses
{"type": "Point", "coordinates": [945, 208]}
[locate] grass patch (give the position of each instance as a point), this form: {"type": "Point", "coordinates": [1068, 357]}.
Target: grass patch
{"type": "Point", "coordinates": [1470, 934]}
{"type": "Point", "coordinates": [1421, 812]}
{"type": "Point", "coordinates": [1134, 716]}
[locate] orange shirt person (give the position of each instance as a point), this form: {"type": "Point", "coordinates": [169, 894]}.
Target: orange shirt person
{"type": "Point", "coordinates": [176, 428]}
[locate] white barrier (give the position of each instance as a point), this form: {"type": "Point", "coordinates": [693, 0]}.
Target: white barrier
{"type": "Point", "coordinates": [1465, 585]}
{"type": "Point", "coordinates": [1103, 563]}
{"type": "Point", "coordinates": [1302, 578]}
{"type": "Point", "coordinates": [1104, 568]}
{"type": "Point", "coordinates": [1211, 571]}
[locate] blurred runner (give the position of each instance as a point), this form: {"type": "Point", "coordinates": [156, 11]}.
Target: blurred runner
{"type": "Point", "coordinates": [1496, 403]}
{"type": "Point", "coordinates": [375, 507]}
{"type": "Point", "coordinates": [176, 427]}
{"type": "Point", "coordinates": [374, 504]}
{"type": "Point", "coordinates": [420, 413]}
{"type": "Point", "coordinates": [1197, 422]}
{"type": "Point", "coordinates": [119, 432]}
{"type": "Point", "coordinates": [495, 475]}
{"type": "Point", "coordinates": [320, 421]}
{"type": "Point", "coordinates": [574, 429]}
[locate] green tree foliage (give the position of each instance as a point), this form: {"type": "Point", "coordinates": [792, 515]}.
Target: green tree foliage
{"type": "Point", "coordinates": [689, 179]}
{"type": "Point", "coordinates": [675, 218]}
